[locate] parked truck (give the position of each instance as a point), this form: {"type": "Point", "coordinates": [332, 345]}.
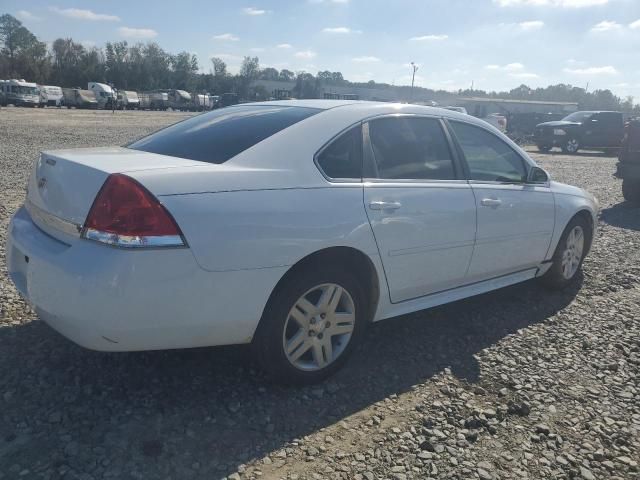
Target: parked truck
{"type": "Point", "coordinates": [158, 100]}
{"type": "Point", "coordinates": [19, 93]}
{"type": "Point", "coordinates": [629, 162]}
{"type": "Point", "coordinates": [590, 130]}
{"type": "Point", "coordinates": [180, 100]}
{"type": "Point", "coordinates": [128, 100]}
{"type": "Point", "coordinates": [50, 96]}
{"type": "Point", "coordinates": [104, 94]}
{"type": "Point", "coordinates": [78, 98]}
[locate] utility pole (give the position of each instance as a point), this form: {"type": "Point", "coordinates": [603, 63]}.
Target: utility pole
{"type": "Point", "coordinates": [414, 67]}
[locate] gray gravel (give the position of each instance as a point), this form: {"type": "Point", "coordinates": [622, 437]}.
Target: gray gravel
{"type": "Point", "coordinates": [520, 383]}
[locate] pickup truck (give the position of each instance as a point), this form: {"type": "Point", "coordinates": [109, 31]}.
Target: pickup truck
{"type": "Point", "coordinates": [590, 130]}
{"type": "Point", "coordinates": [629, 162]}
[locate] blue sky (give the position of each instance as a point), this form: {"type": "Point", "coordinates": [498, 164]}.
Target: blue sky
{"type": "Point", "coordinates": [497, 44]}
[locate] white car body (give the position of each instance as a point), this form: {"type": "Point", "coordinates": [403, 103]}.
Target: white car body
{"type": "Point", "coordinates": [248, 221]}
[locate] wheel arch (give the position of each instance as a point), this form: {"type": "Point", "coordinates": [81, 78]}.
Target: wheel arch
{"type": "Point", "coordinates": [355, 260]}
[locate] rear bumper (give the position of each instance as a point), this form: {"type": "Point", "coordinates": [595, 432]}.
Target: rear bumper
{"type": "Point", "coordinates": [111, 299]}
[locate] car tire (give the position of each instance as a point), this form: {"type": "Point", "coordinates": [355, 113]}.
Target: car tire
{"type": "Point", "coordinates": [569, 255]}
{"type": "Point", "coordinates": [571, 146]}
{"type": "Point", "coordinates": [544, 148]}
{"type": "Point", "coordinates": [631, 190]}
{"type": "Point", "coordinates": [313, 355]}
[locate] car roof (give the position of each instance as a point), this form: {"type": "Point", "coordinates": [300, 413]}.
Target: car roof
{"type": "Point", "coordinates": [367, 108]}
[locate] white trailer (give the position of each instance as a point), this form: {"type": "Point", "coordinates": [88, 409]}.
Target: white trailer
{"type": "Point", "coordinates": [128, 100]}
{"type": "Point", "coordinates": [104, 94]}
{"type": "Point", "coordinates": [19, 93]}
{"type": "Point", "coordinates": [50, 96]}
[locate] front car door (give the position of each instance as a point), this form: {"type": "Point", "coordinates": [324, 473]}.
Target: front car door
{"type": "Point", "coordinates": [422, 211]}
{"type": "Point", "coordinates": [515, 219]}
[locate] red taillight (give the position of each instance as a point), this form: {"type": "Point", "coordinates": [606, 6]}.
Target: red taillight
{"type": "Point", "coordinates": [126, 214]}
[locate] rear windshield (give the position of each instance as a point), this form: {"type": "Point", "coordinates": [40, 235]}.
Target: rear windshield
{"type": "Point", "coordinates": [217, 136]}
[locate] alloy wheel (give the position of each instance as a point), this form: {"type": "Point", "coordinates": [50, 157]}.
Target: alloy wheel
{"type": "Point", "coordinates": [572, 145]}
{"type": "Point", "coordinates": [572, 255]}
{"type": "Point", "coordinates": [319, 327]}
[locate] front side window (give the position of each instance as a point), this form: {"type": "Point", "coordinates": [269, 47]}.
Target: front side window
{"type": "Point", "coordinates": [488, 157]}
{"type": "Point", "coordinates": [410, 148]}
{"type": "Point", "coordinates": [217, 136]}
{"type": "Point", "coordinates": [343, 157]}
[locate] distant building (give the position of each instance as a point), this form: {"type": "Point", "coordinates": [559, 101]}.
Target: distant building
{"type": "Point", "coordinates": [482, 106]}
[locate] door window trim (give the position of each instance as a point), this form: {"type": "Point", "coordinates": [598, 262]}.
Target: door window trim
{"type": "Point", "coordinates": [527, 165]}
{"type": "Point", "coordinates": [370, 165]}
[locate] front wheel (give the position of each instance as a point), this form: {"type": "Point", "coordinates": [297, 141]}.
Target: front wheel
{"type": "Point", "coordinates": [311, 325]}
{"type": "Point", "coordinates": [569, 255]}
{"type": "Point", "coordinates": [571, 146]}
{"type": "Point", "coordinates": [631, 190]}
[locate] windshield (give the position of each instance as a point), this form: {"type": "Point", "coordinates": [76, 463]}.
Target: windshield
{"type": "Point", "coordinates": [578, 117]}
{"type": "Point", "coordinates": [217, 136]}
{"type": "Point", "coordinates": [25, 90]}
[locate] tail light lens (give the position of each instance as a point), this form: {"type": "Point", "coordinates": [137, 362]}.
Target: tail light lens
{"type": "Point", "coordinates": [126, 214]}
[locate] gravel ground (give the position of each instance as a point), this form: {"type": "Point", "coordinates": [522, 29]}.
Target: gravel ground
{"type": "Point", "coordinates": [520, 383]}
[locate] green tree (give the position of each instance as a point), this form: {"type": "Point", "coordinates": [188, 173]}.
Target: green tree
{"type": "Point", "coordinates": [21, 54]}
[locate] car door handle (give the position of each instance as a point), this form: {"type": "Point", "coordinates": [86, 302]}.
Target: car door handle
{"type": "Point", "coordinates": [380, 205]}
{"type": "Point", "coordinates": [491, 202]}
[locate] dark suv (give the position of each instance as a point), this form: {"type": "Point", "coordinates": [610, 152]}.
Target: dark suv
{"type": "Point", "coordinates": [592, 130]}
{"type": "Point", "coordinates": [629, 162]}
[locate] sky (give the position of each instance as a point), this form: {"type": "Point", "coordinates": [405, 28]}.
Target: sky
{"type": "Point", "coordinates": [496, 44]}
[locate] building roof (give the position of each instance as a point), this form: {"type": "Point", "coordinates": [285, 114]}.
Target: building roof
{"type": "Point", "coordinates": [509, 100]}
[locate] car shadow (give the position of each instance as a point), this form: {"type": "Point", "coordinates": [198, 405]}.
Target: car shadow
{"type": "Point", "coordinates": [210, 409]}
{"type": "Point", "coordinates": [622, 215]}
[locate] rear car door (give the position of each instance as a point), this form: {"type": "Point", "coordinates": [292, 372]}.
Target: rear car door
{"type": "Point", "coordinates": [422, 211]}
{"type": "Point", "coordinates": [515, 219]}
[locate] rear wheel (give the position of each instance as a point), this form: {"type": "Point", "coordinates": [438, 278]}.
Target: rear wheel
{"type": "Point", "coordinates": [631, 190]}
{"type": "Point", "coordinates": [569, 255]}
{"type": "Point", "coordinates": [571, 146]}
{"type": "Point", "coordinates": [544, 148]}
{"type": "Point", "coordinates": [311, 325]}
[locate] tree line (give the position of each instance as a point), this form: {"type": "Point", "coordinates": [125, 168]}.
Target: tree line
{"type": "Point", "coordinates": [145, 67]}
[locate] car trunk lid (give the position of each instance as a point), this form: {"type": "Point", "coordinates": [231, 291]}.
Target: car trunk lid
{"type": "Point", "coordinates": [64, 183]}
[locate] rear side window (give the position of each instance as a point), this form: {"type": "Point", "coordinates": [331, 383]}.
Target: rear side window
{"type": "Point", "coordinates": [411, 148]}
{"type": "Point", "coordinates": [489, 158]}
{"type": "Point", "coordinates": [217, 136]}
{"type": "Point", "coordinates": [343, 157]}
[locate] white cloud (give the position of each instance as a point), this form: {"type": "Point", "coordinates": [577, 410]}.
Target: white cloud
{"type": "Point", "coordinates": [429, 38]}
{"type": "Point", "coordinates": [80, 14]}
{"type": "Point", "coordinates": [227, 37]}
{"type": "Point", "coordinates": [88, 43]}
{"type": "Point", "coordinates": [531, 25]}
{"type": "Point", "coordinates": [305, 54]}
{"type": "Point", "coordinates": [253, 11]}
{"type": "Point", "coordinates": [340, 30]}
{"type": "Point", "coordinates": [284, 45]}
{"type": "Point", "coordinates": [606, 26]}
{"type": "Point", "coordinates": [607, 70]}
{"type": "Point", "coordinates": [635, 24]}
{"type": "Point", "coordinates": [551, 3]}
{"type": "Point", "coordinates": [510, 67]}
{"type": "Point", "coordinates": [26, 16]}
{"type": "Point", "coordinates": [140, 33]}
{"type": "Point", "coordinates": [365, 59]}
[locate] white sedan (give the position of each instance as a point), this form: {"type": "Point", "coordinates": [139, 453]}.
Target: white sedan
{"type": "Point", "coordinates": [290, 225]}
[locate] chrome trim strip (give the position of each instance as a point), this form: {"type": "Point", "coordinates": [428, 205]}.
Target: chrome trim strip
{"type": "Point", "coordinates": [133, 241]}
{"type": "Point", "coordinates": [41, 217]}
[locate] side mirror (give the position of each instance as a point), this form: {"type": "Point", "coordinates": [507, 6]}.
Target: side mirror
{"type": "Point", "coordinates": [538, 175]}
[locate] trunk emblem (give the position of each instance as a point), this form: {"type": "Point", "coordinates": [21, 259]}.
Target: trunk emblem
{"type": "Point", "coordinates": [42, 182]}
{"type": "Point", "coordinates": [51, 161]}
